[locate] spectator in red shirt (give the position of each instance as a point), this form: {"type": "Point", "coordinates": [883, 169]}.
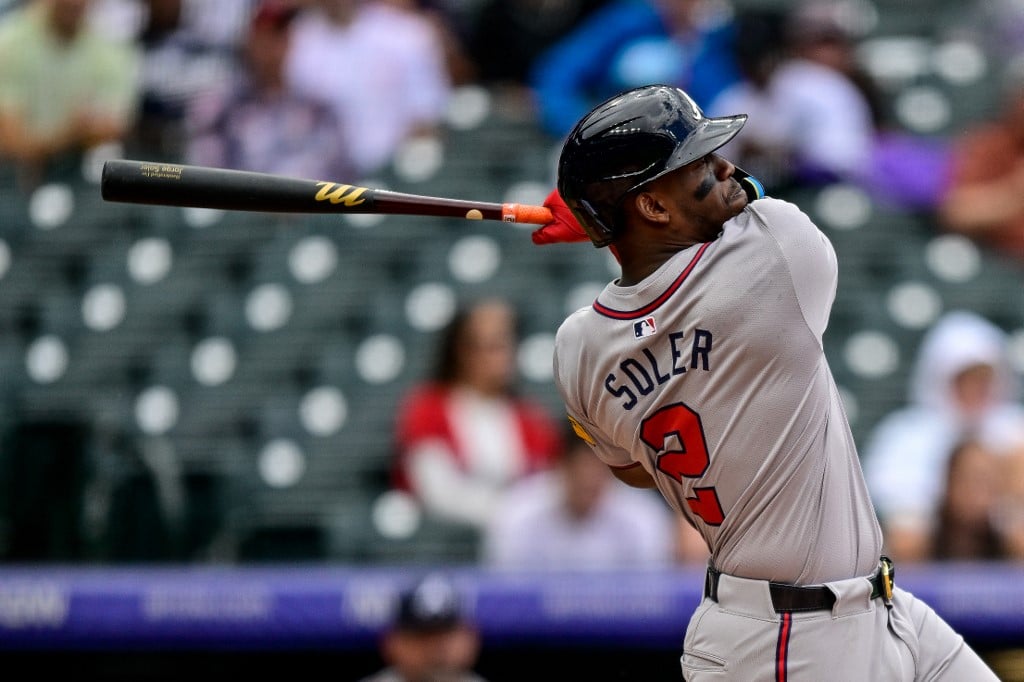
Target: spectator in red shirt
{"type": "Point", "coordinates": [466, 434]}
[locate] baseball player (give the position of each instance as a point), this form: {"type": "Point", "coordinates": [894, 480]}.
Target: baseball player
{"type": "Point", "coordinates": [700, 370]}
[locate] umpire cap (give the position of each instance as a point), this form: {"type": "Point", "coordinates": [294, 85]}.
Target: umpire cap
{"type": "Point", "coordinates": [627, 141]}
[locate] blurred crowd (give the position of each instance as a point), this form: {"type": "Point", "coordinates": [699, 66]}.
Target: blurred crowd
{"type": "Point", "coordinates": [944, 470]}
{"type": "Point", "coordinates": [333, 88]}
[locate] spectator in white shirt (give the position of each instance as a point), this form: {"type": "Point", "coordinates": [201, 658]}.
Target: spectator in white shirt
{"type": "Point", "coordinates": [813, 114]}
{"type": "Point", "coordinates": [962, 388]}
{"type": "Point", "coordinates": [258, 124]}
{"type": "Point", "coordinates": [575, 517]}
{"type": "Point", "coordinates": [382, 68]}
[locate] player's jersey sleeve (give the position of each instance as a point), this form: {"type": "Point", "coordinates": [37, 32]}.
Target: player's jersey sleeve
{"type": "Point", "coordinates": [809, 254]}
{"type": "Point", "coordinates": [569, 370]}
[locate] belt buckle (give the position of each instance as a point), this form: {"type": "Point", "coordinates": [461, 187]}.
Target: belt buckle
{"type": "Point", "coordinates": [888, 571]}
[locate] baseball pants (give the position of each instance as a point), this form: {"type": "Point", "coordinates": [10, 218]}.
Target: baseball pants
{"type": "Point", "coordinates": [742, 637]}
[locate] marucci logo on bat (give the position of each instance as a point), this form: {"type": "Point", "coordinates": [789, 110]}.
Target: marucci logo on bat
{"type": "Point", "coordinates": [340, 194]}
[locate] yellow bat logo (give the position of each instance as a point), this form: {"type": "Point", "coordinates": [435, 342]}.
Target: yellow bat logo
{"type": "Point", "coordinates": [340, 194]}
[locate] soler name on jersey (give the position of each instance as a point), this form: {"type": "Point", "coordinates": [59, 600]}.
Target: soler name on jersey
{"type": "Point", "coordinates": [639, 375]}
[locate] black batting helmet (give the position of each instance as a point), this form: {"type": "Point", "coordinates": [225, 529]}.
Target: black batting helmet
{"type": "Point", "coordinates": [627, 141]}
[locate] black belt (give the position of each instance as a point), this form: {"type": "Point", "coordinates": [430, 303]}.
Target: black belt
{"type": "Point", "coordinates": [796, 598]}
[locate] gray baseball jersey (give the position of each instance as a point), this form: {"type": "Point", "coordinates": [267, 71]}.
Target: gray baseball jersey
{"type": "Point", "coordinates": [711, 374]}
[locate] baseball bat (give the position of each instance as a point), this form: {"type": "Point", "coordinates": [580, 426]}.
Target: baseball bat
{"type": "Point", "coordinates": [168, 184]}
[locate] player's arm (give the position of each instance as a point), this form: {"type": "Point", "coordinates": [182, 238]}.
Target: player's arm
{"type": "Point", "coordinates": [617, 460]}
{"type": "Point", "coordinates": [808, 255]}
{"type": "Point", "coordinates": [634, 475]}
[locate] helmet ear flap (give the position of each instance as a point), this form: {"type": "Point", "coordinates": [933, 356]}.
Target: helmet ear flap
{"type": "Point", "coordinates": [597, 228]}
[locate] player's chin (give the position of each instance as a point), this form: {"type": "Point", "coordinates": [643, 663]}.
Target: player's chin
{"type": "Point", "coordinates": [735, 198]}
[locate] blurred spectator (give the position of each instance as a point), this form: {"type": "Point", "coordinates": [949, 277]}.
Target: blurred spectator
{"type": "Point", "coordinates": [908, 170]}
{"type": "Point", "coordinates": [446, 20]}
{"type": "Point", "coordinates": [575, 517]}
{"type": "Point", "coordinates": [962, 387]}
{"type": "Point", "coordinates": [189, 48]}
{"type": "Point", "coordinates": [830, 102]}
{"type": "Point", "coordinates": [64, 88]}
{"type": "Point", "coordinates": [1007, 22]}
{"type": "Point", "coordinates": [629, 43]}
{"type": "Point", "coordinates": [813, 111]}
{"type": "Point", "coordinates": [759, 47]}
{"type": "Point", "coordinates": [964, 527]}
{"type": "Point", "coordinates": [817, 116]}
{"type": "Point", "coordinates": [998, 25]}
{"type": "Point", "coordinates": [1009, 507]}
{"type": "Point", "coordinates": [380, 66]}
{"type": "Point", "coordinates": [505, 37]}
{"type": "Point", "coordinates": [985, 197]}
{"type": "Point", "coordinates": [465, 435]}
{"type": "Point", "coordinates": [430, 638]}
{"type": "Point", "coordinates": [259, 124]}
{"type": "Point", "coordinates": [46, 465]}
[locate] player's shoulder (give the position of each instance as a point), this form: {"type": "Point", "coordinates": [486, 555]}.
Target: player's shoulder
{"type": "Point", "coordinates": [782, 219]}
{"type": "Point", "coordinates": [772, 210]}
{"type": "Point", "coordinates": [575, 325]}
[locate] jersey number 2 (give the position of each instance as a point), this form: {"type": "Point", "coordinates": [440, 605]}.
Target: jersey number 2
{"type": "Point", "coordinates": [690, 461]}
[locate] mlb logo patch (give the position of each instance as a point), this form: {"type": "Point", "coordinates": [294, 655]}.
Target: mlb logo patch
{"type": "Point", "coordinates": [644, 327]}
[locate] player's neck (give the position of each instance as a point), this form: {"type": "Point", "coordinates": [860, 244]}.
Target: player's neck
{"type": "Point", "coordinates": [638, 264]}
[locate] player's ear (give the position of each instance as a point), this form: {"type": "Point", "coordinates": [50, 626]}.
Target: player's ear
{"type": "Point", "coordinates": [651, 207]}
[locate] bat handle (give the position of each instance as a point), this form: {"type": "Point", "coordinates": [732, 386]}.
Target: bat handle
{"type": "Point", "coordinates": [525, 213]}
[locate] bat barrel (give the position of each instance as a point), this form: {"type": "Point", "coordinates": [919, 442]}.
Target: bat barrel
{"type": "Point", "coordinates": [170, 184]}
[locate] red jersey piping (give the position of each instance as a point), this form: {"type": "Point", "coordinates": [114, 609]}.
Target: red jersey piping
{"type": "Point", "coordinates": [602, 309]}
